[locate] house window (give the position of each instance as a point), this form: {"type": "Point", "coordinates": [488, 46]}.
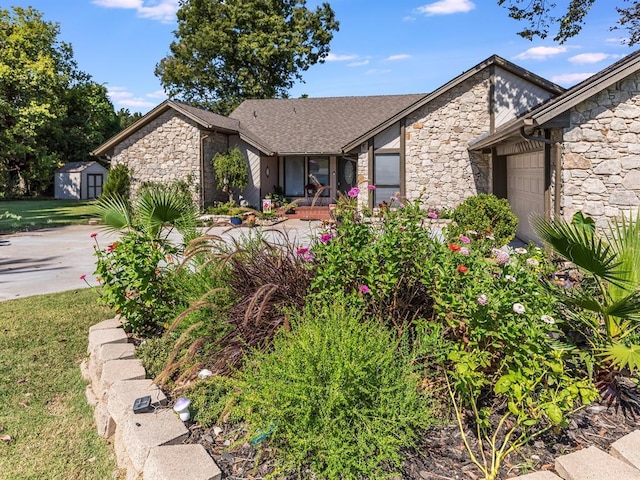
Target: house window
{"type": "Point", "coordinates": [294, 176]}
{"type": "Point", "coordinates": [386, 176]}
{"type": "Point", "coordinates": [297, 171]}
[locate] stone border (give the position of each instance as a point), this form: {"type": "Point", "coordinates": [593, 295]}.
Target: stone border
{"type": "Point", "coordinates": [148, 446]}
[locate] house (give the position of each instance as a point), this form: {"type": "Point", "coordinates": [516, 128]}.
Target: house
{"type": "Point", "coordinates": [496, 128]}
{"type": "Point", "coordinates": [79, 181]}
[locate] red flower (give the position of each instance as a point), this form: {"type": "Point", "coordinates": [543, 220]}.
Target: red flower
{"type": "Point", "coordinates": [83, 276]}
{"type": "Point", "coordinates": [454, 248]}
{"type": "Point", "coordinates": [462, 269]}
{"type": "Point", "coordinates": [93, 235]}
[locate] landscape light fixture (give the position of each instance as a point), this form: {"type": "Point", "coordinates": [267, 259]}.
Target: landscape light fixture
{"type": "Point", "coordinates": [182, 408]}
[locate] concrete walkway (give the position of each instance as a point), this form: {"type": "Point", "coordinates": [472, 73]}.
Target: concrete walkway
{"type": "Point", "coordinates": [52, 260]}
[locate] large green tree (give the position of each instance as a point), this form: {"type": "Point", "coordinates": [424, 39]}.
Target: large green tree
{"type": "Point", "coordinates": [50, 112]}
{"type": "Point", "coordinates": [543, 16]}
{"type": "Point", "coordinates": [230, 50]}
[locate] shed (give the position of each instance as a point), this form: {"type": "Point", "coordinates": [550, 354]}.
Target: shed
{"type": "Point", "coordinates": [79, 181]}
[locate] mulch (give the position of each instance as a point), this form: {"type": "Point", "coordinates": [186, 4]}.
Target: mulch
{"type": "Point", "coordinates": [440, 454]}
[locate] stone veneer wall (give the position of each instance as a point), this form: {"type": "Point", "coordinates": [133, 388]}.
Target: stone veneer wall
{"type": "Point", "coordinates": [601, 158]}
{"type": "Point", "coordinates": [164, 150]}
{"type": "Point", "coordinates": [437, 137]}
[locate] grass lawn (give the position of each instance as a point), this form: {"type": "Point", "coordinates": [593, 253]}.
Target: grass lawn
{"type": "Point", "coordinates": [42, 402]}
{"type": "Point", "coordinates": [43, 213]}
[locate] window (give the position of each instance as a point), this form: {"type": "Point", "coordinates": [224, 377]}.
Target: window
{"type": "Point", "coordinates": [319, 168]}
{"type": "Point", "coordinates": [386, 176]}
{"type": "Point", "coordinates": [294, 176]}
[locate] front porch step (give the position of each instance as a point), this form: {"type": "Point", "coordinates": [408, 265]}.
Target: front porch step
{"type": "Point", "coordinates": [311, 213]}
{"type": "Point", "coordinates": [594, 464]}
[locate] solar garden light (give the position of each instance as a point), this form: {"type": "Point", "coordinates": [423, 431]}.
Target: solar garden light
{"type": "Point", "coordinates": [182, 408]}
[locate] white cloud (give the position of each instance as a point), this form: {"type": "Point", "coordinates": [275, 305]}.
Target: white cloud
{"type": "Point", "coordinates": [409, 18]}
{"type": "Point", "coordinates": [161, 10]}
{"type": "Point", "coordinates": [619, 41]}
{"type": "Point", "coordinates": [377, 71]}
{"type": "Point", "coordinates": [594, 57]}
{"type": "Point", "coordinates": [447, 7]}
{"type": "Point", "coordinates": [400, 56]}
{"type": "Point", "coordinates": [541, 53]}
{"type": "Point", "coordinates": [570, 78]}
{"type": "Point", "coordinates": [332, 57]}
{"type": "Point", "coordinates": [124, 98]}
{"type": "Point", "coordinates": [156, 94]}
{"type": "Point", "coordinates": [361, 63]}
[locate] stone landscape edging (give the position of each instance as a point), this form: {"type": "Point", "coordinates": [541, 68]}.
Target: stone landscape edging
{"type": "Point", "coordinates": [147, 446]}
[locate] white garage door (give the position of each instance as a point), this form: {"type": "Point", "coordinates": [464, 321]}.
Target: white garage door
{"type": "Point", "coordinates": [525, 190]}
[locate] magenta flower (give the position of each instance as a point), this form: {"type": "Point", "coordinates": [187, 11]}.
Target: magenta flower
{"type": "Point", "coordinates": [308, 257]}
{"type": "Point", "coordinates": [432, 214]}
{"type": "Point", "coordinates": [83, 276]}
{"type": "Point", "coordinates": [353, 193]}
{"type": "Point", "coordinates": [364, 289]}
{"type": "Point", "coordinates": [93, 235]}
{"type": "Point", "coordinates": [371, 187]}
{"type": "Point", "coordinates": [465, 239]}
{"type": "Point", "coordinates": [326, 237]}
{"type": "Point", "coordinates": [302, 250]}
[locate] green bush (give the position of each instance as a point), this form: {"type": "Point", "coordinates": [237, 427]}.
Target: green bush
{"type": "Point", "coordinates": [211, 398]}
{"type": "Point", "coordinates": [154, 353]}
{"type": "Point", "coordinates": [484, 217]}
{"type": "Point", "coordinates": [338, 392]}
{"type": "Point", "coordinates": [118, 182]}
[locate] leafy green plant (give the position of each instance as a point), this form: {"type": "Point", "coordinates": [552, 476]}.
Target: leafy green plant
{"type": "Point", "coordinates": [118, 182]}
{"type": "Point", "coordinates": [486, 218]}
{"type": "Point", "coordinates": [231, 171]}
{"type": "Point", "coordinates": [338, 392]}
{"type": "Point", "coordinates": [211, 399]}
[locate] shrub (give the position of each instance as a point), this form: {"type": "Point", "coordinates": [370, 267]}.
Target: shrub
{"type": "Point", "coordinates": [339, 393]}
{"type": "Point", "coordinates": [211, 399]}
{"type": "Point", "coordinates": [118, 182]}
{"type": "Point", "coordinates": [231, 171]}
{"type": "Point", "coordinates": [484, 217]}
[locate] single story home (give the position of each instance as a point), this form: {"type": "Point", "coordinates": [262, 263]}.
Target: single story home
{"type": "Point", "coordinates": [79, 181]}
{"type": "Point", "coordinates": [496, 128]}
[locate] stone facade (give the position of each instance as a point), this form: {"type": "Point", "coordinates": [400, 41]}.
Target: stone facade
{"type": "Point", "coordinates": [168, 149]}
{"type": "Point", "coordinates": [438, 165]}
{"type": "Point", "coordinates": [601, 156]}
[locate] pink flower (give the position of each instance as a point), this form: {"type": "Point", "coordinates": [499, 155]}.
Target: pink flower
{"type": "Point", "coordinates": [502, 257]}
{"type": "Point", "coordinates": [93, 235]}
{"type": "Point", "coordinates": [364, 289]}
{"type": "Point", "coordinates": [482, 299]}
{"type": "Point", "coordinates": [432, 214]}
{"type": "Point", "coordinates": [83, 276]}
{"type": "Point", "coordinates": [308, 257]}
{"type": "Point", "coordinates": [353, 193]}
{"type": "Point", "coordinates": [302, 250]}
{"type": "Point", "coordinates": [401, 205]}
{"type": "Point", "coordinates": [465, 239]}
{"type": "Point", "coordinates": [326, 237]}
{"type": "Point", "coordinates": [464, 251]}
{"type": "Point", "coordinates": [371, 187]}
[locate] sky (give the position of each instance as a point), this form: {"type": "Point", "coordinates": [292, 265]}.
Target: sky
{"type": "Point", "coordinates": [382, 47]}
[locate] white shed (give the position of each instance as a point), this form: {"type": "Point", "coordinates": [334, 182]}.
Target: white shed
{"type": "Point", "coordinates": [79, 181]}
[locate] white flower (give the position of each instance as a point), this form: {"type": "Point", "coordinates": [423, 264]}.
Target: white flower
{"type": "Point", "coordinates": [521, 250]}
{"type": "Point", "coordinates": [518, 308]}
{"type": "Point", "coordinates": [533, 262]}
{"type": "Point", "coordinates": [511, 278]}
{"type": "Point", "coordinates": [464, 251]}
{"type": "Point", "coordinates": [482, 299]}
{"type": "Point", "coordinates": [548, 319]}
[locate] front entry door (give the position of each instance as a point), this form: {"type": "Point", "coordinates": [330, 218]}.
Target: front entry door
{"type": "Point", "coordinates": [268, 175]}
{"type": "Point", "coordinates": [347, 174]}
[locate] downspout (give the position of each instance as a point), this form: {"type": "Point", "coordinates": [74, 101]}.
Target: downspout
{"type": "Point", "coordinates": [547, 167]}
{"type": "Point", "coordinates": [202, 139]}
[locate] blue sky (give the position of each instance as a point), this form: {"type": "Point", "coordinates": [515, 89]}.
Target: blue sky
{"type": "Point", "coordinates": [383, 47]}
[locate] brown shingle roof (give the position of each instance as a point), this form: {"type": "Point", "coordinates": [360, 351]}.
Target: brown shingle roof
{"type": "Point", "coordinates": [317, 125]}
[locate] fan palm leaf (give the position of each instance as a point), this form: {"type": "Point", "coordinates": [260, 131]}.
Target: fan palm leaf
{"type": "Point", "coordinates": [158, 207]}
{"type": "Point", "coordinates": [624, 236]}
{"type": "Point", "coordinates": [581, 246]}
{"type": "Point", "coordinates": [622, 356]}
{"type": "Point", "coordinates": [115, 213]}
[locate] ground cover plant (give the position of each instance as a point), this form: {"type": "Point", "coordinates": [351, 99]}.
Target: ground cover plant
{"type": "Point", "coordinates": [477, 334]}
{"type": "Point", "coordinates": [43, 213]}
{"type": "Point", "coordinates": [46, 425]}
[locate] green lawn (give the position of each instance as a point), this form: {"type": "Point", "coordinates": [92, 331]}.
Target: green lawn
{"type": "Point", "coordinates": [43, 408]}
{"type": "Point", "coordinates": [43, 213]}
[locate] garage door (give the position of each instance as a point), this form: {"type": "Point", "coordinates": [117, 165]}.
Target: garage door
{"type": "Point", "coordinates": [525, 190]}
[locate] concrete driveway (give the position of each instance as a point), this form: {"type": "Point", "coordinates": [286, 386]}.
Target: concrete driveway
{"type": "Point", "coordinates": [53, 260]}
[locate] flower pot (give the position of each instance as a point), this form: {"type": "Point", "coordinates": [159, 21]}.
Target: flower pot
{"type": "Point", "coordinates": [235, 221]}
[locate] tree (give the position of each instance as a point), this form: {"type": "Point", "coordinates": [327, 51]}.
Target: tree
{"type": "Point", "coordinates": [231, 171]}
{"type": "Point", "coordinates": [50, 112]}
{"type": "Point", "coordinates": [126, 118]}
{"type": "Point", "coordinates": [230, 50]}
{"type": "Point", "coordinates": [540, 14]}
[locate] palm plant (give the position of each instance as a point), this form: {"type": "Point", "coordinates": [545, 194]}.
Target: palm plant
{"type": "Point", "coordinates": [610, 261]}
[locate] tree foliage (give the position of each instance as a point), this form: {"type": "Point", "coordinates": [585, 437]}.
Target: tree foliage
{"type": "Point", "coordinates": [50, 112]}
{"type": "Point", "coordinates": [231, 171]}
{"type": "Point", "coordinates": [540, 15]}
{"type": "Point", "coordinates": [126, 118]}
{"type": "Point", "coordinates": [230, 50]}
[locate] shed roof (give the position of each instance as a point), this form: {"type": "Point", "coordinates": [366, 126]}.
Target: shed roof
{"type": "Point", "coordinates": [77, 167]}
